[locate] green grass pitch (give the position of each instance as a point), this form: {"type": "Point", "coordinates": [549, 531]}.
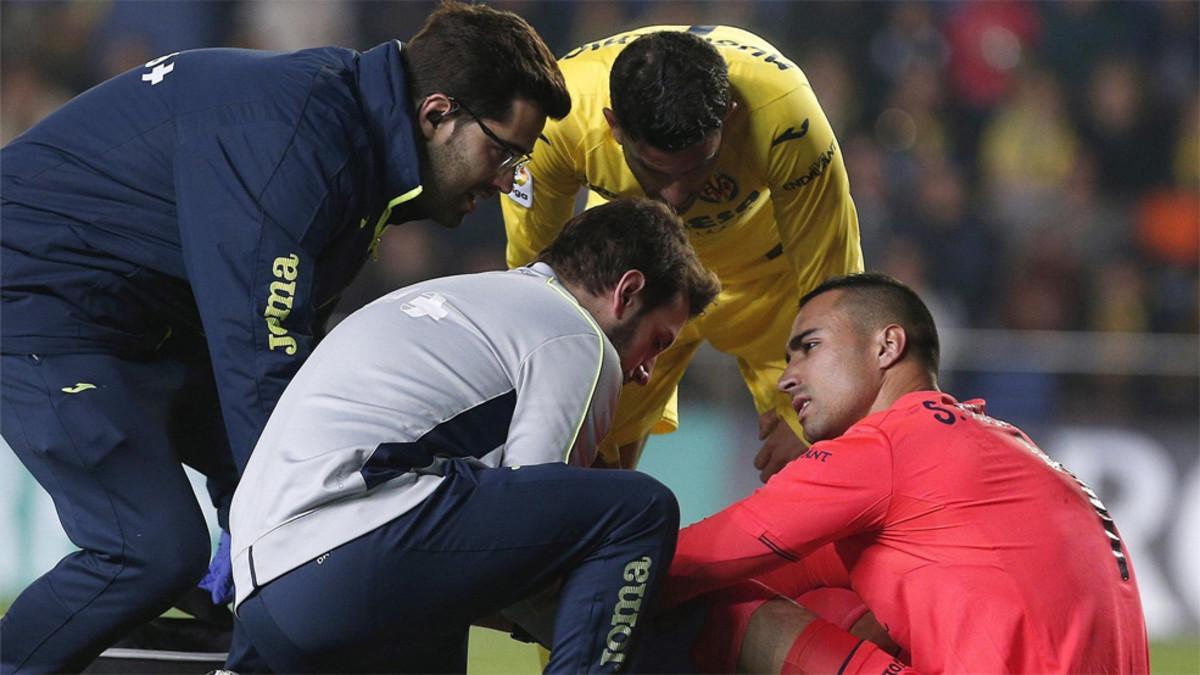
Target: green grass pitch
{"type": "Point", "coordinates": [494, 653]}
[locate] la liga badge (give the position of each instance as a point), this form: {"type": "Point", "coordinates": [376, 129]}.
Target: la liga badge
{"type": "Point", "coordinates": [522, 189]}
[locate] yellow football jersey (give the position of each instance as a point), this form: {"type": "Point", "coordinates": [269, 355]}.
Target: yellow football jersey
{"type": "Point", "coordinates": [777, 204]}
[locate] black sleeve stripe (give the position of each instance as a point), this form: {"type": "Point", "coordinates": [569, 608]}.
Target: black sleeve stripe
{"type": "Point", "coordinates": [253, 576]}
{"type": "Point", "coordinates": [777, 550]}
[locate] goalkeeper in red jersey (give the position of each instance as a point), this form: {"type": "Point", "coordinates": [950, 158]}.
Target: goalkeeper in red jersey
{"type": "Point", "coordinates": [974, 550]}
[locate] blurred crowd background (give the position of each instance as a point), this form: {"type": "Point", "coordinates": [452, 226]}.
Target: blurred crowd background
{"type": "Point", "coordinates": [1027, 166]}
{"type": "Point", "coordinates": [1033, 169]}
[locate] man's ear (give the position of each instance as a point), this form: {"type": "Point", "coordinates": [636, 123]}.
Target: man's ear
{"type": "Point", "coordinates": [626, 298]}
{"type": "Point", "coordinates": [892, 342]}
{"type": "Point", "coordinates": [613, 126]}
{"type": "Point", "coordinates": [432, 112]}
{"type": "Point", "coordinates": [733, 106]}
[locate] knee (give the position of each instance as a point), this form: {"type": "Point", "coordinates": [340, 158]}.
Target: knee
{"type": "Point", "coordinates": [782, 614]}
{"type": "Point", "coordinates": [659, 504]}
{"type": "Point", "coordinates": [769, 637]}
{"type": "Point", "coordinates": [169, 563]}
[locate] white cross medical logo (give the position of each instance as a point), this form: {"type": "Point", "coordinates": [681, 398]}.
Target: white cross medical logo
{"type": "Point", "coordinates": [159, 69]}
{"type": "Point", "coordinates": [426, 304]}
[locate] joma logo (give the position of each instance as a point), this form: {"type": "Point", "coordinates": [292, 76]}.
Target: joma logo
{"type": "Point", "coordinates": [279, 303]}
{"type": "Point", "coordinates": [625, 613]}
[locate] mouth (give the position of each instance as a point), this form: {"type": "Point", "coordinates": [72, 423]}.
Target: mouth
{"type": "Point", "coordinates": [471, 198]}
{"type": "Point", "coordinates": [476, 195]}
{"type": "Point", "coordinates": [800, 405]}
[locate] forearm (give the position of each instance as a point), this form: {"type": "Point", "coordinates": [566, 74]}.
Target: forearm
{"type": "Point", "coordinates": [715, 553]}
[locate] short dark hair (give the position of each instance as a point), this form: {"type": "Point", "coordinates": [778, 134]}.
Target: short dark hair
{"type": "Point", "coordinates": [669, 89]}
{"type": "Point", "coordinates": [878, 300]}
{"type": "Point", "coordinates": [485, 58]}
{"type": "Point", "coordinates": [596, 247]}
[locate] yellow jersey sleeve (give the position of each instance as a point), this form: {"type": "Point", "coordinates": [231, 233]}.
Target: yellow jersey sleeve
{"type": "Point", "coordinates": [810, 191]}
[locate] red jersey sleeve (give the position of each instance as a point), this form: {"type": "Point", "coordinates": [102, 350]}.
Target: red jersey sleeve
{"type": "Point", "coordinates": [823, 568]}
{"type": "Point", "coordinates": [834, 490]}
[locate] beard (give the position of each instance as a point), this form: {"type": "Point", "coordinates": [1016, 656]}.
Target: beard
{"type": "Point", "coordinates": [443, 179]}
{"type": "Point", "coordinates": [621, 336]}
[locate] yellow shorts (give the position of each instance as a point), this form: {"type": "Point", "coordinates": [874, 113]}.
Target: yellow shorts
{"type": "Point", "coordinates": [750, 321]}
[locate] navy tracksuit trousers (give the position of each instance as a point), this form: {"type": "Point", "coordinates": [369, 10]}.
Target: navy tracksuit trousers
{"type": "Point", "coordinates": [401, 598]}
{"type": "Point", "coordinates": [105, 437]}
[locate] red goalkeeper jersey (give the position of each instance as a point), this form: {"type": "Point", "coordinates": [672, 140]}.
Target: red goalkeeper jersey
{"type": "Point", "coordinates": [974, 549]}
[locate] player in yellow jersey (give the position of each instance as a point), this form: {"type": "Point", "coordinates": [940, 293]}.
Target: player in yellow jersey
{"type": "Point", "coordinates": [715, 122]}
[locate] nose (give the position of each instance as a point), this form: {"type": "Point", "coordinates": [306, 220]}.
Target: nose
{"type": "Point", "coordinates": [788, 380]}
{"type": "Point", "coordinates": [678, 195]}
{"type": "Point", "coordinates": [649, 365]}
{"type": "Point", "coordinates": [643, 372]}
{"type": "Point", "coordinates": [503, 181]}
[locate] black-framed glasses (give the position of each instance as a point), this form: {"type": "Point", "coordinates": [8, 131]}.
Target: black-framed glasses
{"type": "Point", "coordinates": [514, 156]}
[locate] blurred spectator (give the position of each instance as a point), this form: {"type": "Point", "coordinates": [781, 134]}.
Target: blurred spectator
{"type": "Point", "coordinates": [902, 257]}
{"type": "Point", "coordinates": [917, 98]}
{"type": "Point", "coordinates": [553, 19]}
{"type": "Point", "coordinates": [1185, 165]}
{"type": "Point", "coordinates": [989, 45]}
{"type": "Point", "coordinates": [379, 21]}
{"type": "Point", "coordinates": [26, 96]}
{"type": "Point", "coordinates": [830, 76]}
{"type": "Point", "coordinates": [1175, 49]}
{"type": "Point", "coordinates": [1044, 289]}
{"type": "Point", "coordinates": [284, 25]}
{"type": "Point", "coordinates": [1118, 305]}
{"type": "Point", "coordinates": [865, 164]}
{"type": "Point", "coordinates": [598, 19]}
{"type": "Point", "coordinates": [1168, 226]}
{"type": "Point", "coordinates": [910, 39]}
{"type": "Point", "coordinates": [962, 248]}
{"type": "Point", "coordinates": [1080, 33]}
{"type": "Point", "coordinates": [912, 128]}
{"type": "Point", "coordinates": [989, 41]}
{"type": "Point", "coordinates": [55, 36]}
{"type": "Point", "coordinates": [1028, 152]}
{"type": "Point", "coordinates": [1119, 298]}
{"type": "Point", "coordinates": [132, 33]}
{"type": "Point", "coordinates": [1175, 301]}
{"type": "Point", "coordinates": [1121, 128]}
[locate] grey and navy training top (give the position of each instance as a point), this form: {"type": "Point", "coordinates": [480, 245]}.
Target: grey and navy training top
{"type": "Point", "coordinates": [503, 367]}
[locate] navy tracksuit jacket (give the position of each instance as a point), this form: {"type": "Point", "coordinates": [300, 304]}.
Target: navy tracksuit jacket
{"type": "Point", "coordinates": [211, 206]}
{"type": "Point", "coordinates": [226, 191]}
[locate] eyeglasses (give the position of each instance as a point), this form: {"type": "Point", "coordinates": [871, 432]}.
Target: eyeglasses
{"type": "Point", "coordinates": [514, 156]}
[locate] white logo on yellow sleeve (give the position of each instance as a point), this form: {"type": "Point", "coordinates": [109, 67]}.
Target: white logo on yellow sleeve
{"type": "Point", "coordinates": [522, 190]}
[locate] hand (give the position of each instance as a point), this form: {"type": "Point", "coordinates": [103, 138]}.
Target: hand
{"type": "Point", "coordinates": [869, 628]}
{"type": "Point", "coordinates": [780, 445]}
{"type": "Point", "coordinates": [219, 579]}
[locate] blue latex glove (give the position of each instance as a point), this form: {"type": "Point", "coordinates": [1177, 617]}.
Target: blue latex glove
{"type": "Point", "coordinates": [219, 579]}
